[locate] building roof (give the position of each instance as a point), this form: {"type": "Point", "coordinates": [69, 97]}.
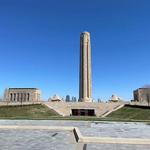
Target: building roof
{"type": "Point", "coordinates": [143, 88]}
{"type": "Point", "coordinates": [23, 88]}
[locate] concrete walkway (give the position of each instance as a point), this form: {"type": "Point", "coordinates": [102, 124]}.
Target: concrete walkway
{"type": "Point", "coordinates": [81, 140]}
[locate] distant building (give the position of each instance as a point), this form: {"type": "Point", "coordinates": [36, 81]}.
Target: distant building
{"type": "Point", "coordinates": [74, 99]}
{"type": "Point", "coordinates": [67, 98]}
{"type": "Point", "coordinates": [142, 95]}
{"type": "Point", "coordinates": [22, 95]}
{"type": "Point", "coordinates": [55, 98]}
{"type": "Point", "coordinates": [99, 100]}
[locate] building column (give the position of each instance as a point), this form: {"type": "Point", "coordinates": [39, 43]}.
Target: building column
{"type": "Point", "coordinates": [28, 97]}
{"type": "Point", "coordinates": [17, 97]}
{"type": "Point", "coordinates": [12, 97]}
{"type": "Point", "coordinates": [25, 97]}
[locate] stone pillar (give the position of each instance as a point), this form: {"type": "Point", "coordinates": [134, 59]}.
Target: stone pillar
{"type": "Point", "coordinates": [85, 68]}
{"type": "Point", "coordinates": [28, 97]}
{"type": "Point", "coordinates": [12, 97]}
{"type": "Point", "coordinates": [17, 97]}
{"type": "Point", "coordinates": [25, 97]}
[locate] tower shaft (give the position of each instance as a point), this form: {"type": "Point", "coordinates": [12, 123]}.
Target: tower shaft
{"type": "Point", "coordinates": [85, 68]}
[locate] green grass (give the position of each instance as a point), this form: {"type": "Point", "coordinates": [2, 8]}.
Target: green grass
{"type": "Point", "coordinates": [41, 112]}
{"type": "Point", "coordinates": [130, 113]}
{"type": "Point", "coordinates": [36, 111]}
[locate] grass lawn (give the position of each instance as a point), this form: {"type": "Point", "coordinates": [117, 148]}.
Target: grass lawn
{"type": "Point", "coordinates": [131, 113]}
{"type": "Point", "coordinates": [36, 111]}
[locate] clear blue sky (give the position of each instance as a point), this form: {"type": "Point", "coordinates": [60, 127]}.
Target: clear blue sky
{"type": "Point", "coordinates": [39, 45]}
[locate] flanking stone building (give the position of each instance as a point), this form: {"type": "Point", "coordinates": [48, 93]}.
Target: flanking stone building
{"type": "Point", "coordinates": [142, 95]}
{"type": "Point", "coordinates": [22, 95]}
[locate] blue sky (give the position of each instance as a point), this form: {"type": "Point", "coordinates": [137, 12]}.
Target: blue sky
{"type": "Point", "coordinates": [39, 45]}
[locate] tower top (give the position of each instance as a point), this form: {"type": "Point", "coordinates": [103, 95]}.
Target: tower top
{"type": "Point", "coordinates": [85, 32]}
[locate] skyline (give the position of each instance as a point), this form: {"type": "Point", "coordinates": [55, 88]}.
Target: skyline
{"type": "Point", "coordinates": [39, 45]}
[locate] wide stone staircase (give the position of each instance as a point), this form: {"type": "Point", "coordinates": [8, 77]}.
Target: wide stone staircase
{"type": "Point", "coordinates": [101, 109]}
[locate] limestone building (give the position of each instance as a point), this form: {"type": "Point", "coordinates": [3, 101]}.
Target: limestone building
{"type": "Point", "coordinates": [85, 68]}
{"type": "Point", "coordinates": [142, 95]}
{"type": "Point", "coordinates": [22, 95]}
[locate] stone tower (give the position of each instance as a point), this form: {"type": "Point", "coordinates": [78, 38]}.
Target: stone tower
{"type": "Point", "coordinates": [85, 68]}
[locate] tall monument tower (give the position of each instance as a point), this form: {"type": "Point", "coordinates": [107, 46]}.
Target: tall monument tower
{"type": "Point", "coordinates": [85, 68]}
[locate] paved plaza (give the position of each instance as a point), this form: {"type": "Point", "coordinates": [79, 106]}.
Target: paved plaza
{"type": "Point", "coordinates": [55, 140]}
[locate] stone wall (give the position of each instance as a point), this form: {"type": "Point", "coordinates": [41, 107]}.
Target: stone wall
{"type": "Point", "coordinates": [65, 108]}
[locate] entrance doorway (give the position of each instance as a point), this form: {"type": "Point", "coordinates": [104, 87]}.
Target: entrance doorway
{"type": "Point", "coordinates": [83, 112]}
